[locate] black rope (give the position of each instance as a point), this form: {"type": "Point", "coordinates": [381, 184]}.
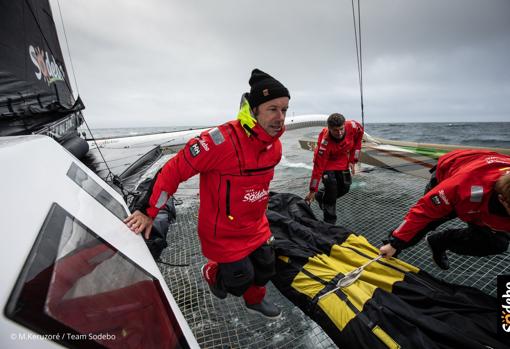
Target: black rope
{"type": "Point", "coordinates": [172, 264]}
{"type": "Point", "coordinates": [110, 175]}
{"type": "Point", "coordinates": [357, 39]}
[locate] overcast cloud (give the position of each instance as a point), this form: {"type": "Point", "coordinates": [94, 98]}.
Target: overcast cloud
{"type": "Point", "coordinates": [175, 63]}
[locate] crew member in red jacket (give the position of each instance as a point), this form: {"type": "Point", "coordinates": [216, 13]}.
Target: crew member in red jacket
{"type": "Point", "coordinates": [334, 160]}
{"type": "Point", "coordinates": [236, 164]}
{"type": "Point", "coordinates": [473, 185]}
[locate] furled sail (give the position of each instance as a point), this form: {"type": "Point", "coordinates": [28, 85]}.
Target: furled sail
{"type": "Point", "coordinates": [35, 94]}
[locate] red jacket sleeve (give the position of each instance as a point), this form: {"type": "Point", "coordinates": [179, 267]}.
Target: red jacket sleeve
{"type": "Point", "coordinates": [198, 155]}
{"type": "Point", "coordinates": [320, 158]}
{"type": "Point", "coordinates": [354, 153]}
{"type": "Point", "coordinates": [436, 204]}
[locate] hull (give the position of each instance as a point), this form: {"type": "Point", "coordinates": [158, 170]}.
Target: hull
{"type": "Point", "coordinates": [412, 158]}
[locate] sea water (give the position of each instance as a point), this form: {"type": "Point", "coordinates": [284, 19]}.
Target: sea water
{"type": "Point", "coordinates": [295, 168]}
{"type": "Point", "coordinates": [484, 134]}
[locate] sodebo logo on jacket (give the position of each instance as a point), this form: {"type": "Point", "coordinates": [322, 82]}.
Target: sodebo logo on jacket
{"type": "Point", "coordinates": [253, 195]}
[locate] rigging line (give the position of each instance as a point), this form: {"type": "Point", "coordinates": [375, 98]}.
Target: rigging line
{"type": "Point", "coordinates": [141, 144]}
{"type": "Point", "coordinates": [361, 66]}
{"type": "Point", "coordinates": [357, 39]}
{"type": "Point", "coordinates": [115, 159]}
{"type": "Point", "coordinates": [138, 145]}
{"type": "Point", "coordinates": [68, 48]}
{"type": "Point", "coordinates": [110, 173]}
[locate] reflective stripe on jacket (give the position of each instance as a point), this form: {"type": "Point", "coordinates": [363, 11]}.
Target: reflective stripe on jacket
{"type": "Point", "coordinates": [235, 169]}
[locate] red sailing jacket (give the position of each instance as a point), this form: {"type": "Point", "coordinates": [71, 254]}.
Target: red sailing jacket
{"type": "Point", "coordinates": [333, 155]}
{"type": "Point", "coordinates": [465, 184]}
{"type": "Point", "coordinates": [235, 172]}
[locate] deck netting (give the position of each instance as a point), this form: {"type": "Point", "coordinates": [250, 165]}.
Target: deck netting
{"type": "Point", "coordinates": [376, 204]}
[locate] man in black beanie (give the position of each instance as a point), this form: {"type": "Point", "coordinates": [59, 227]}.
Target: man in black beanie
{"type": "Point", "coordinates": [236, 164]}
{"type": "Point", "coordinates": [264, 88]}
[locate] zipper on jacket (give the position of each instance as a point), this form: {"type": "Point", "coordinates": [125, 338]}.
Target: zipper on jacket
{"type": "Point", "coordinates": [227, 204]}
{"type": "Point", "coordinates": [254, 170]}
{"type": "Point", "coordinates": [217, 209]}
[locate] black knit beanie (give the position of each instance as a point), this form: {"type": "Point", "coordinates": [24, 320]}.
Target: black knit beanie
{"type": "Point", "coordinates": [264, 88]}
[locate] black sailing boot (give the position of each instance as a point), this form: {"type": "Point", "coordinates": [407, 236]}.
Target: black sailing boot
{"type": "Point", "coordinates": [265, 308]}
{"type": "Point", "coordinates": [330, 213]}
{"type": "Point", "coordinates": [438, 251]}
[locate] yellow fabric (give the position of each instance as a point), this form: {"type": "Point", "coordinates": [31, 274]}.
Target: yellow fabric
{"type": "Point", "coordinates": [376, 274]}
{"type": "Point", "coordinates": [245, 116]}
{"type": "Point", "coordinates": [385, 338]}
{"type": "Point", "coordinates": [284, 258]}
{"type": "Point", "coordinates": [343, 260]}
{"type": "Point", "coordinates": [321, 266]}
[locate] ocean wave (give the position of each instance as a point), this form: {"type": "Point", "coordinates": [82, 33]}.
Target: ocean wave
{"type": "Point", "coordinates": [286, 163]}
{"type": "Point", "coordinates": [489, 134]}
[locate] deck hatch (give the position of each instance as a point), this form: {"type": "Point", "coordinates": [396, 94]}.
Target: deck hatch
{"type": "Point", "coordinates": [78, 290]}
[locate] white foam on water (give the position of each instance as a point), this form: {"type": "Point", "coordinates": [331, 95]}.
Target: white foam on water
{"type": "Point", "coordinates": [286, 163]}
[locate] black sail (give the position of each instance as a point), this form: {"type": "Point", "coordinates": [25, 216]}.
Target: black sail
{"type": "Point", "coordinates": [34, 85]}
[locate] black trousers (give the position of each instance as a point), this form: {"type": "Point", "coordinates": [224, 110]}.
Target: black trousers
{"type": "Point", "coordinates": [257, 268]}
{"type": "Point", "coordinates": [473, 240]}
{"type": "Point", "coordinates": [335, 185]}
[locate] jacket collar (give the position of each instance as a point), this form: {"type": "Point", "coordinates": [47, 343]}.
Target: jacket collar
{"type": "Point", "coordinates": [250, 125]}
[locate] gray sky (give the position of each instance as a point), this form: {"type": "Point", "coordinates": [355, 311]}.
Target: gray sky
{"type": "Point", "coordinates": [175, 63]}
